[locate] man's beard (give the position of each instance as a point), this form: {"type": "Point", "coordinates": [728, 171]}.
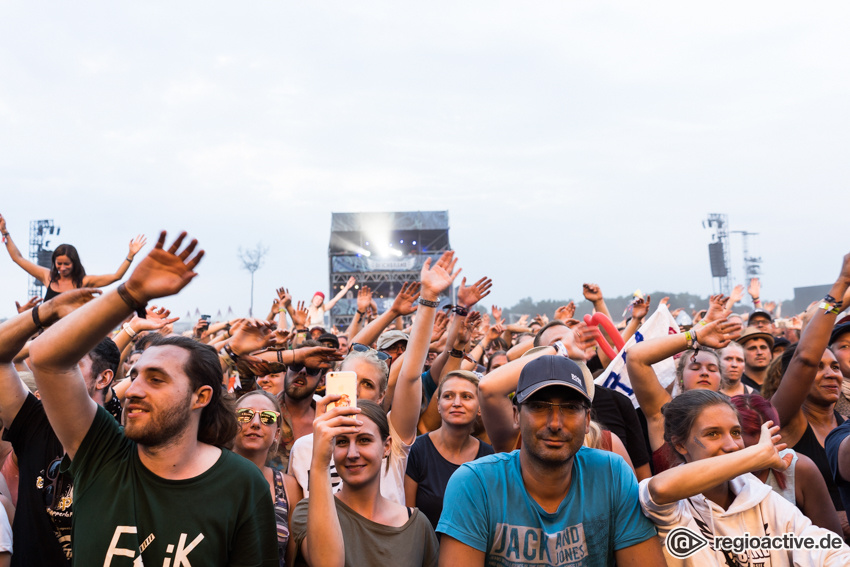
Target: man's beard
{"type": "Point", "coordinates": [163, 425]}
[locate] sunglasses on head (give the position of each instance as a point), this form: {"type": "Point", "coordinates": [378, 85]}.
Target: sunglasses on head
{"type": "Point", "coordinates": [267, 417]}
{"type": "Point", "coordinates": [363, 348]}
{"type": "Point", "coordinates": [296, 368]}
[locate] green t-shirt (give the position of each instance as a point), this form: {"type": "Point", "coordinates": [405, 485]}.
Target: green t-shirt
{"type": "Point", "coordinates": [223, 516]}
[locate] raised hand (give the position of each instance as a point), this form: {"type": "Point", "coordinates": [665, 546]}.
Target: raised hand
{"type": "Point", "coordinates": [581, 341]}
{"type": "Point", "coordinates": [494, 332]}
{"type": "Point", "coordinates": [299, 316]}
{"type": "Point", "coordinates": [716, 307]}
{"type": "Point", "coordinates": [137, 244]}
{"type": "Point", "coordinates": [155, 319]}
{"type": "Point", "coordinates": [364, 298]}
{"type": "Point", "coordinates": [496, 311]}
{"type": "Point", "coordinates": [350, 283]}
{"type": "Point", "coordinates": [718, 333]}
{"type": "Point", "coordinates": [469, 296]}
{"type": "Point", "coordinates": [66, 302]}
{"type": "Point", "coordinates": [251, 335]}
{"type": "Point", "coordinates": [405, 302]}
{"type": "Point", "coordinates": [565, 312]}
{"type": "Point", "coordinates": [770, 306]}
{"type": "Point", "coordinates": [523, 321]}
{"type": "Point", "coordinates": [164, 272]}
{"type": "Point", "coordinates": [284, 299]}
{"type": "Point", "coordinates": [770, 443]}
{"type": "Point", "coordinates": [316, 357]}
{"type": "Point", "coordinates": [665, 301]}
{"type": "Point", "coordinates": [591, 292]}
{"type": "Point", "coordinates": [3, 225]}
{"type": "Point", "coordinates": [641, 307]}
{"type": "Point", "coordinates": [437, 278]}
{"type": "Point", "coordinates": [541, 320]}
{"type": "Point", "coordinates": [737, 294]}
{"type": "Point", "coordinates": [467, 327]}
{"type": "Point", "coordinates": [330, 423]}
{"type": "Point", "coordinates": [200, 328]}
{"type": "Point", "coordinates": [754, 289]}
{"type": "Point", "coordinates": [28, 305]}
{"type": "Point", "coordinates": [441, 323]}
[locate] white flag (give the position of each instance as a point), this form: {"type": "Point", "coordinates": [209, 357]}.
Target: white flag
{"type": "Point", "coordinates": [616, 376]}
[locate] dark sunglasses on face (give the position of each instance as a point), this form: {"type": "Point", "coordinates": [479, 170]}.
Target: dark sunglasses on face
{"type": "Point", "coordinates": [363, 348]}
{"type": "Point", "coordinates": [267, 417]}
{"type": "Point", "coordinates": [296, 368]}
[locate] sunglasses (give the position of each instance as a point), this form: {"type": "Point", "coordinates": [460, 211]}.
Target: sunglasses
{"type": "Point", "coordinates": [363, 348]}
{"type": "Point", "coordinates": [267, 417]}
{"type": "Point", "coordinates": [296, 368]}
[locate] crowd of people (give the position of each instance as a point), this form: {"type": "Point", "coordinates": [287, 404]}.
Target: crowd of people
{"type": "Point", "coordinates": [470, 441]}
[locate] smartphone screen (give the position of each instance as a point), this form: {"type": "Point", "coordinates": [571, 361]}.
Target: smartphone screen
{"type": "Point", "coordinates": [342, 384]}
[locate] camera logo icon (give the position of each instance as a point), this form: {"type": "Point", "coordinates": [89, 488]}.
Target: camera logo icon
{"type": "Point", "coordinates": [683, 542]}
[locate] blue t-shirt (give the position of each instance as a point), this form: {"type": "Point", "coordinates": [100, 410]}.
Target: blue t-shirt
{"type": "Point", "coordinates": [831, 445]}
{"type": "Point", "coordinates": [487, 507]}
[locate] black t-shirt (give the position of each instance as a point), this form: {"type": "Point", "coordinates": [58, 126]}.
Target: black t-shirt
{"type": "Point", "coordinates": [432, 471]}
{"type": "Point", "coordinates": [40, 484]}
{"type": "Point", "coordinates": [747, 381]}
{"type": "Point", "coordinates": [616, 412]}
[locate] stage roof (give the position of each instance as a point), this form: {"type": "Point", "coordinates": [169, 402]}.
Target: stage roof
{"type": "Point", "coordinates": [411, 220]}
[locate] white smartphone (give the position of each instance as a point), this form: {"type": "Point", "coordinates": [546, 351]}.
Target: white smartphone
{"type": "Point", "coordinates": [342, 384]}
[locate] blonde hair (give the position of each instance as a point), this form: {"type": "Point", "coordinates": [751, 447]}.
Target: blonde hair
{"type": "Point", "coordinates": [593, 437]}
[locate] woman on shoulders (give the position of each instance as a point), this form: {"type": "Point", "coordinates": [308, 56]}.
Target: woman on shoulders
{"type": "Point", "coordinates": [66, 271]}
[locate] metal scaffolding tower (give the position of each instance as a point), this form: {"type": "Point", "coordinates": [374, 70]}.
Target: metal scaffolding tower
{"type": "Point", "coordinates": [752, 264]}
{"type": "Point", "coordinates": [718, 251]}
{"type": "Point", "coordinates": [39, 253]}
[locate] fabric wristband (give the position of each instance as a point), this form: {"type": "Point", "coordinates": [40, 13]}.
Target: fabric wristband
{"type": "Point", "coordinates": [36, 319]}
{"type": "Point", "coordinates": [129, 330]}
{"type": "Point", "coordinates": [427, 303]}
{"type": "Point", "coordinates": [132, 303]}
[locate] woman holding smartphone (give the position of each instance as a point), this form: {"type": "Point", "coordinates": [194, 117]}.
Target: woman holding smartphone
{"type": "Point", "coordinates": [357, 526]}
{"type": "Point", "coordinates": [258, 415]}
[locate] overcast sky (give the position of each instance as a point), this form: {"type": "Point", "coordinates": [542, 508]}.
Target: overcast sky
{"type": "Point", "coordinates": [569, 142]}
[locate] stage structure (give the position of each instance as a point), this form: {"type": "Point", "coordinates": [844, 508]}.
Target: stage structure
{"type": "Point", "coordinates": [382, 250]}
{"type": "Point", "coordinates": [39, 252]}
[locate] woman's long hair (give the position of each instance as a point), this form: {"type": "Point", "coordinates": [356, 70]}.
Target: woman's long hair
{"type": "Point", "coordinates": [77, 270]}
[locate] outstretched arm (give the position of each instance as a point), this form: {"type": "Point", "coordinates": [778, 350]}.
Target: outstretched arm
{"type": "Point", "coordinates": [408, 391]}
{"type": "Point", "coordinates": [593, 294]}
{"type": "Point", "coordinates": [348, 285]}
{"type": "Point", "coordinates": [100, 281]}
{"type": "Point", "coordinates": [14, 334]}
{"type": "Point", "coordinates": [40, 273]}
{"type": "Point", "coordinates": [404, 304]}
{"type": "Point", "coordinates": [801, 372]}
{"type": "Point", "coordinates": [55, 354]}
{"type": "Point", "coordinates": [695, 477]}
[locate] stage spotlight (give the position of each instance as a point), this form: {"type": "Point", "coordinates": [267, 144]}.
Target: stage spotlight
{"type": "Point", "coordinates": [401, 241]}
{"type": "Point", "coordinates": [414, 243]}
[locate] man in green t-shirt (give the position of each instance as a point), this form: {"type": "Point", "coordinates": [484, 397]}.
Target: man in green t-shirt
{"type": "Point", "coordinates": [161, 491]}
